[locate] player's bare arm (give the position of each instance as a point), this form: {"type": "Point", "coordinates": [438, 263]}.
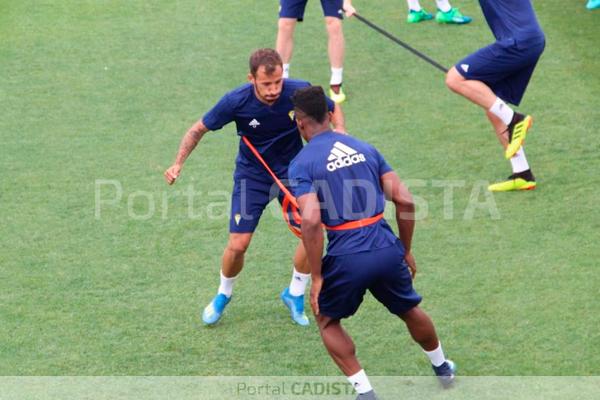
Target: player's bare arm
{"type": "Point", "coordinates": [338, 120]}
{"type": "Point", "coordinates": [312, 238]}
{"type": "Point", "coordinates": [188, 144]}
{"type": "Point", "coordinates": [398, 193]}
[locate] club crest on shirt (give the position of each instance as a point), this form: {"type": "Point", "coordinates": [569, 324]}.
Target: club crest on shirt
{"type": "Point", "coordinates": [292, 115]}
{"type": "Point", "coordinates": [254, 123]}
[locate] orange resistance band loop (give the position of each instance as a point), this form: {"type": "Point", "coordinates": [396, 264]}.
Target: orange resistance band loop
{"type": "Point", "coordinates": [355, 224]}
{"type": "Point", "coordinates": [288, 198]}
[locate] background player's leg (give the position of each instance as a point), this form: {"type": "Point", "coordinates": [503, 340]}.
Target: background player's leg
{"type": "Point", "coordinates": [414, 5]}
{"type": "Point", "coordinates": [336, 49]}
{"type": "Point", "coordinates": [520, 166]}
{"type": "Point", "coordinates": [480, 94]}
{"type": "Point", "coordinates": [416, 13]}
{"type": "Point", "coordinates": [285, 42]}
{"type": "Point", "coordinates": [499, 127]}
{"type": "Point", "coordinates": [449, 15]}
{"type": "Point", "coordinates": [476, 91]}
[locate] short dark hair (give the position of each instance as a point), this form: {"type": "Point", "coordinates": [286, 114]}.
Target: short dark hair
{"type": "Point", "coordinates": [268, 58]}
{"type": "Point", "coordinates": [311, 101]}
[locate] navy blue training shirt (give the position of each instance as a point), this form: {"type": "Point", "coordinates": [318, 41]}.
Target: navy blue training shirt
{"type": "Point", "coordinates": [271, 129]}
{"type": "Point", "coordinates": [512, 19]}
{"type": "Point", "coordinates": [345, 174]}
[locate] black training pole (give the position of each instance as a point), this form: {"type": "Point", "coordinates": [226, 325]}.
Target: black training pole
{"type": "Point", "coordinates": [400, 42]}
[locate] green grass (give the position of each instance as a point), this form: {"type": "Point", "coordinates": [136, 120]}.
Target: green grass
{"type": "Point", "coordinates": [104, 90]}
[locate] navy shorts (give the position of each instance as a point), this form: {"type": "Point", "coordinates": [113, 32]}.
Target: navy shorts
{"type": "Point", "coordinates": [383, 272]}
{"type": "Point", "coordinates": [295, 8]}
{"type": "Point", "coordinates": [248, 201]}
{"type": "Point", "coordinates": [505, 66]}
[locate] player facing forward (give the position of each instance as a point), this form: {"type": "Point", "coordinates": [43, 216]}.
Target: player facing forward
{"type": "Point", "coordinates": [262, 111]}
{"type": "Point", "coordinates": [499, 74]}
{"type": "Point", "coordinates": [340, 182]}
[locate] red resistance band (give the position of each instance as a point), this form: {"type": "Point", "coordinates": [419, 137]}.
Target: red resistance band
{"type": "Point", "coordinates": [289, 201]}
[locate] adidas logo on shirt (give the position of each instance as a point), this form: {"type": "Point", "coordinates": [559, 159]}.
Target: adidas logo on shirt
{"type": "Point", "coordinates": [254, 123]}
{"type": "Point", "coordinates": [343, 156]}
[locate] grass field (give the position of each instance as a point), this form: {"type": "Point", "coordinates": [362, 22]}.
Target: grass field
{"type": "Point", "coordinates": [102, 91]}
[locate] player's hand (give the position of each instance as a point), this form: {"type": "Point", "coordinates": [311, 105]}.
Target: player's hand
{"type": "Point", "coordinates": [172, 173]}
{"type": "Point", "coordinates": [349, 10]}
{"type": "Point", "coordinates": [315, 290]}
{"type": "Point", "coordinates": [412, 264]}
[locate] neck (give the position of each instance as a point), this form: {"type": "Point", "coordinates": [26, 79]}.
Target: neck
{"type": "Point", "coordinates": [316, 130]}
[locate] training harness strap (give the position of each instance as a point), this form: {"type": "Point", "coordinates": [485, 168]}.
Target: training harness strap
{"type": "Point", "coordinates": [360, 223]}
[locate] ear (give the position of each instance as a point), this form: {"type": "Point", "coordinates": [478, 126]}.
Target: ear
{"type": "Point", "coordinates": [250, 77]}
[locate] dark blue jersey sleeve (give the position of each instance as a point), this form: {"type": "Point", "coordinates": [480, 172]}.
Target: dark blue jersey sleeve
{"type": "Point", "coordinates": [384, 167]}
{"type": "Point", "coordinates": [220, 115]}
{"type": "Point", "coordinates": [300, 179]}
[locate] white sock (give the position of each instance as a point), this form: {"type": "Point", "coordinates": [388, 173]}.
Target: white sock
{"type": "Point", "coordinates": [336, 76]}
{"type": "Point", "coordinates": [443, 5]}
{"type": "Point", "coordinates": [501, 110]}
{"type": "Point", "coordinates": [436, 356]}
{"type": "Point", "coordinates": [519, 161]}
{"type": "Point", "coordinates": [360, 382]}
{"type": "Point", "coordinates": [414, 5]}
{"type": "Point", "coordinates": [286, 70]}
{"type": "Point", "coordinates": [298, 283]}
{"type": "Point", "coordinates": [226, 286]}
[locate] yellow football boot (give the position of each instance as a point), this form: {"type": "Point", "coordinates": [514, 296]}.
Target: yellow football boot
{"type": "Point", "coordinates": [517, 131]}
{"type": "Point", "coordinates": [514, 182]}
{"type": "Point", "coordinates": [338, 97]}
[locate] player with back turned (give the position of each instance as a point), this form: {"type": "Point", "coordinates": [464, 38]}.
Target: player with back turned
{"type": "Point", "coordinates": [341, 183]}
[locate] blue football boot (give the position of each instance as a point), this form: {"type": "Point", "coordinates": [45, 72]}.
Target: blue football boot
{"type": "Point", "coordinates": [212, 313]}
{"type": "Point", "coordinates": [296, 306]}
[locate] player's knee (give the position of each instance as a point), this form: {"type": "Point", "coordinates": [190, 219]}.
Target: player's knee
{"type": "Point", "coordinates": [238, 244]}
{"type": "Point", "coordinates": [333, 25]}
{"type": "Point", "coordinates": [286, 25]}
{"type": "Point", "coordinates": [324, 322]}
{"type": "Point", "coordinates": [453, 80]}
{"type": "Point", "coordinates": [409, 315]}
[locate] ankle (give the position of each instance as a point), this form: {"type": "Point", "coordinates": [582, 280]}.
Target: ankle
{"type": "Point", "coordinates": [527, 175]}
